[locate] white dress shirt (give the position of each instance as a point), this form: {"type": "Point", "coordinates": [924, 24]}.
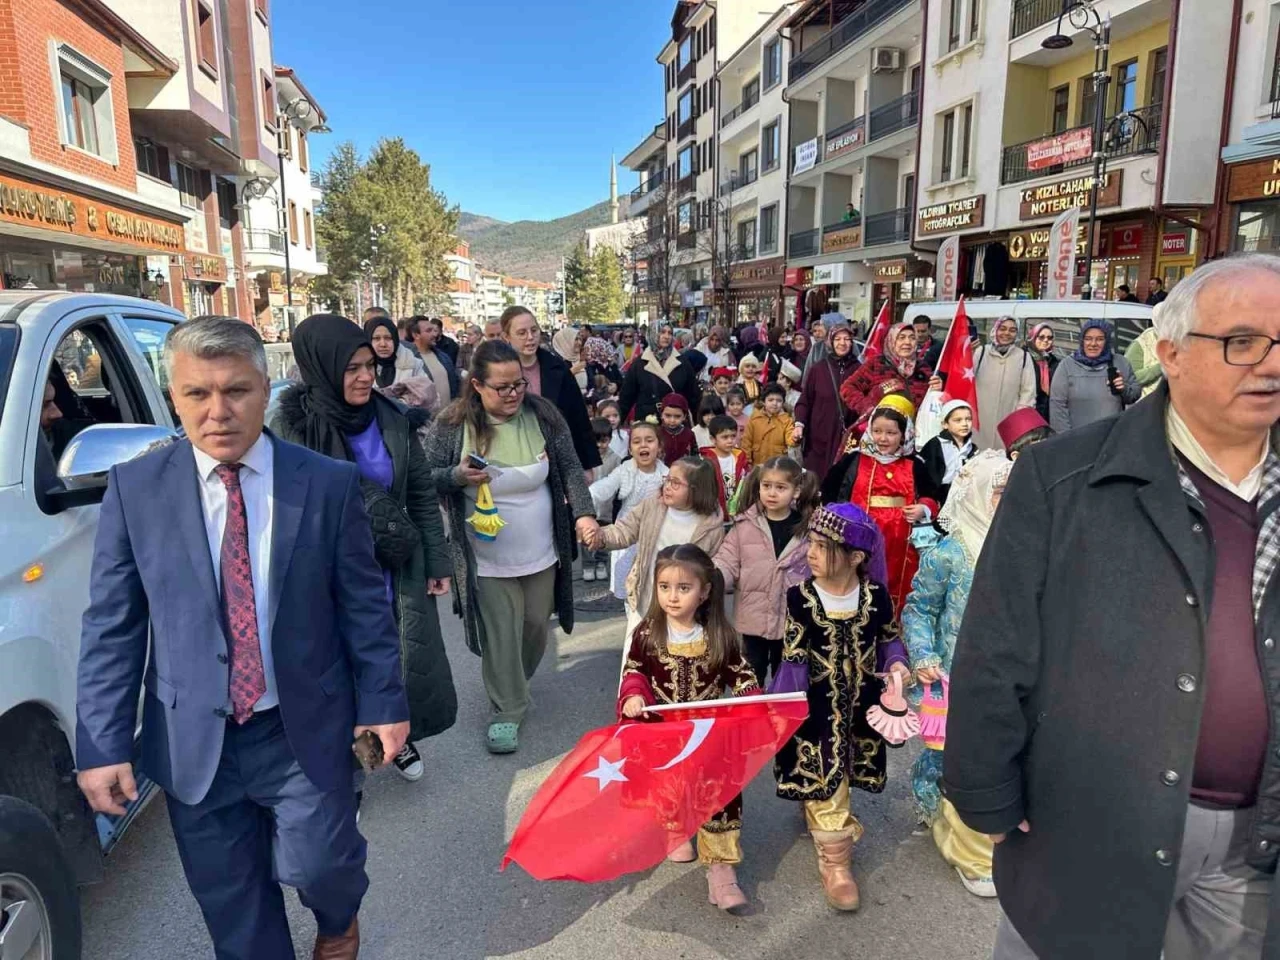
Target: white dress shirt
{"type": "Point", "coordinates": [257, 476]}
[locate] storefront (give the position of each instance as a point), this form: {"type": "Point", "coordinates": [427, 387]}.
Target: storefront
{"type": "Point", "coordinates": [937, 221]}
{"type": "Point", "coordinates": [697, 306]}
{"type": "Point", "coordinates": [900, 281]}
{"type": "Point", "coordinates": [755, 291]}
{"type": "Point", "coordinates": [1253, 199]}
{"type": "Point", "coordinates": [204, 285]}
{"type": "Point", "coordinates": [52, 238]}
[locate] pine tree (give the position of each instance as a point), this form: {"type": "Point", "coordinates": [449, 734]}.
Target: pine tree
{"type": "Point", "coordinates": [608, 294]}
{"type": "Point", "coordinates": [577, 281]}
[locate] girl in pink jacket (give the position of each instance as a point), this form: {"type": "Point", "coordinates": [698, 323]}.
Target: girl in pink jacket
{"type": "Point", "coordinates": [765, 553]}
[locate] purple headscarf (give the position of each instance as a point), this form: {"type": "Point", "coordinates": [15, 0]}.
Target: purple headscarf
{"type": "Point", "coordinates": [848, 524]}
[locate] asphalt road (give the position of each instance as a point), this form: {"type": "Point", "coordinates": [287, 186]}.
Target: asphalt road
{"type": "Point", "coordinates": [435, 846]}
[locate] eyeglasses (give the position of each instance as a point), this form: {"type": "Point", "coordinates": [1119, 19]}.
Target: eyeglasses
{"type": "Point", "coordinates": [1242, 349]}
{"type": "Point", "coordinates": [670, 481]}
{"type": "Point", "coordinates": [507, 390]}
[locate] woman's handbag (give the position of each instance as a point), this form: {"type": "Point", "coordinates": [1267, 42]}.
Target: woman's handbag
{"type": "Point", "coordinates": [395, 536]}
{"type": "Point", "coordinates": [891, 717]}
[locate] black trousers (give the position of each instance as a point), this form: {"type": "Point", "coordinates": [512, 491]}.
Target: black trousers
{"type": "Point", "coordinates": [762, 654]}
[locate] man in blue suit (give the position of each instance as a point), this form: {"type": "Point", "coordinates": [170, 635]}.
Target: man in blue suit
{"type": "Point", "coordinates": [245, 566]}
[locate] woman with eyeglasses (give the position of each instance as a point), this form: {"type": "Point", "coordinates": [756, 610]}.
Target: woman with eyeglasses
{"type": "Point", "coordinates": [1093, 383]}
{"type": "Point", "coordinates": [1045, 364]}
{"type": "Point", "coordinates": [503, 461]}
{"type": "Point", "coordinates": [336, 411]}
{"type": "Point", "coordinates": [552, 378]}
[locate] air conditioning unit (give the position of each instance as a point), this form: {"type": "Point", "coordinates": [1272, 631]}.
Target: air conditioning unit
{"type": "Point", "coordinates": [885, 59]}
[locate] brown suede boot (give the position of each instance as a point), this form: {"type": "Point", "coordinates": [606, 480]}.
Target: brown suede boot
{"type": "Point", "coordinates": [834, 858]}
{"type": "Point", "coordinates": [345, 946]}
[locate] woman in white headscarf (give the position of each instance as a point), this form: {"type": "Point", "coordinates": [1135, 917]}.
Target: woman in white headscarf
{"type": "Point", "coordinates": [930, 623]}
{"type": "Point", "coordinates": [568, 344]}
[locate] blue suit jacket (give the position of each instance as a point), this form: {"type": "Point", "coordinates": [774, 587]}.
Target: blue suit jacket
{"type": "Point", "coordinates": [333, 637]}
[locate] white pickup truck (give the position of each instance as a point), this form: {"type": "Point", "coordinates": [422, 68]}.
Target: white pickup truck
{"type": "Point", "coordinates": [102, 355]}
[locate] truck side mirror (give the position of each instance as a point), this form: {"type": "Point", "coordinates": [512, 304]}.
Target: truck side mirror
{"type": "Point", "coordinates": [83, 467]}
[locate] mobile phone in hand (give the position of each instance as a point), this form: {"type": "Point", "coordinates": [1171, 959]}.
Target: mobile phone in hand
{"type": "Point", "coordinates": [477, 462]}
{"type": "Point", "coordinates": [367, 750]}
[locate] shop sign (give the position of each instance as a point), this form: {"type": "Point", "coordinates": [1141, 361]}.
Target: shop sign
{"type": "Point", "coordinates": [844, 142]}
{"type": "Point", "coordinates": [890, 271]}
{"type": "Point", "coordinates": [1061, 148]}
{"type": "Point", "coordinates": [1034, 244]}
{"type": "Point", "coordinates": [829, 273]}
{"type": "Point", "coordinates": [1175, 245]}
{"type": "Point", "coordinates": [758, 273]}
{"type": "Point", "coordinates": [1253, 181]}
{"type": "Point", "coordinates": [205, 268]}
{"type": "Point", "coordinates": [1062, 255]}
{"type": "Point", "coordinates": [845, 238]}
{"type": "Point", "coordinates": [1125, 242]}
{"type": "Point", "coordinates": [33, 205]}
{"type": "Point", "coordinates": [948, 264]}
{"type": "Point", "coordinates": [1051, 199]}
{"type": "Point", "coordinates": [798, 277]}
{"type": "Point", "coordinates": [950, 216]}
{"type": "Point", "coordinates": [806, 156]}
{"type": "Point", "coordinates": [693, 298]}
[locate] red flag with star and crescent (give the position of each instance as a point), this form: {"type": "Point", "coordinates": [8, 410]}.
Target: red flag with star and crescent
{"type": "Point", "coordinates": [879, 330]}
{"type": "Point", "coordinates": [629, 794]}
{"type": "Point", "coordinates": [955, 363]}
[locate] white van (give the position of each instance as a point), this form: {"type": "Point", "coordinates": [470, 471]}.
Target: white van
{"type": "Point", "coordinates": [1126, 319]}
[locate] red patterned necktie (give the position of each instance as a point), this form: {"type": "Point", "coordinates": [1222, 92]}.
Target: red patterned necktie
{"type": "Point", "coordinates": [248, 681]}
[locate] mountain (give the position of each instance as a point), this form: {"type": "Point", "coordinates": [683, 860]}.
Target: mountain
{"type": "Point", "coordinates": [530, 249]}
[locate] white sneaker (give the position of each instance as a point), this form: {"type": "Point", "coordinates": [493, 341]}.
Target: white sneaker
{"type": "Point", "coordinates": [588, 573]}
{"type": "Point", "coordinates": [984, 887]}
{"type": "Point", "coordinates": [408, 763]}
{"type": "Point", "coordinates": [602, 571]}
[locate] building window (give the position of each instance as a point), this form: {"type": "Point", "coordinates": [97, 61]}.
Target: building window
{"type": "Point", "coordinates": [1061, 109]}
{"type": "Point", "coordinates": [953, 23]}
{"type": "Point", "coordinates": [684, 162]}
{"type": "Point", "coordinates": [751, 93]}
{"type": "Point", "coordinates": [152, 159]}
{"type": "Point", "coordinates": [1088, 97]}
{"type": "Point", "coordinates": [227, 213]}
{"type": "Point", "coordinates": [772, 63]}
{"type": "Point", "coordinates": [746, 239]}
{"type": "Point", "coordinates": [284, 141]}
{"type": "Point", "coordinates": [975, 14]}
{"type": "Point", "coordinates": [293, 222]}
{"type": "Point", "coordinates": [302, 151]}
{"type": "Point", "coordinates": [684, 217]}
{"type": "Point", "coordinates": [684, 107]}
{"type": "Point", "coordinates": [1159, 68]}
{"type": "Point", "coordinates": [206, 37]}
{"type": "Point", "coordinates": [966, 134]}
{"type": "Point", "coordinates": [686, 52]}
{"type": "Point", "coordinates": [948, 146]}
{"type": "Point", "coordinates": [268, 102]}
{"type": "Point", "coordinates": [909, 193]}
{"type": "Point", "coordinates": [769, 228]}
{"type": "Point", "coordinates": [771, 146]}
{"type": "Point", "coordinates": [80, 114]}
{"type": "Point", "coordinates": [1126, 84]}
{"type": "Point", "coordinates": [748, 166]}
{"type": "Point", "coordinates": [307, 234]}
{"type": "Point", "coordinates": [188, 187]}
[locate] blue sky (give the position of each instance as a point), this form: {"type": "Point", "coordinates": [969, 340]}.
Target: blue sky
{"type": "Point", "coordinates": [516, 104]}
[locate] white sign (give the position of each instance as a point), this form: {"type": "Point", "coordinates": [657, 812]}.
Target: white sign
{"type": "Point", "coordinates": [1062, 255]}
{"type": "Point", "coordinates": [948, 274]}
{"type": "Point", "coordinates": [828, 273]}
{"type": "Point", "coordinates": [806, 156]}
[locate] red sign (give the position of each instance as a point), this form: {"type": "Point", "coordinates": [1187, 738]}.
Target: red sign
{"type": "Point", "coordinates": [797, 277]}
{"type": "Point", "coordinates": [1126, 242]}
{"type": "Point", "coordinates": [1174, 244]}
{"type": "Point", "coordinates": [1062, 148]}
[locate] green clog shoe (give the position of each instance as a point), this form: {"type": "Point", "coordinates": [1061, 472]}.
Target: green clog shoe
{"type": "Point", "coordinates": [503, 738]}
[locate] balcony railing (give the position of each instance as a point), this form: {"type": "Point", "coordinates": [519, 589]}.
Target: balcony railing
{"type": "Point", "coordinates": [265, 241]}
{"type": "Point", "coordinates": [686, 184]}
{"type": "Point", "coordinates": [1029, 14]}
{"type": "Point", "coordinates": [737, 180]}
{"type": "Point", "coordinates": [892, 226]}
{"type": "Point", "coordinates": [842, 34]}
{"type": "Point", "coordinates": [749, 101]}
{"type": "Point", "coordinates": [1143, 137]}
{"type": "Point", "coordinates": [687, 72]}
{"type": "Point", "coordinates": [650, 185]}
{"type": "Point", "coordinates": [687, 240]}
{"type": "Point", "coordinates": [803, 244]}
{"type": "Point", "coordinates": [687, 128]}
{"type": "Point", "coordinates": [894, 116]}
{"type": "Point", "coordinates": [842, 224]}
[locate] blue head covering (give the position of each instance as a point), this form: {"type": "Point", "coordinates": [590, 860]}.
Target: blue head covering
{"type": "Point", "coordinates": [1102, 359]}
{"type": "Point", "coordinates": [851, 527]}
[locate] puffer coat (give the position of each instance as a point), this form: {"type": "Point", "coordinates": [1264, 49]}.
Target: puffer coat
{"type": "Point", "coordinates": [759, 579]}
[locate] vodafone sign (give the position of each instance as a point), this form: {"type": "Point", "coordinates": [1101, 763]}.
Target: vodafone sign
{"type": "Point", "coordinates": [948, 268]}
{"type": "Point", "coordinates": [1062, 255]}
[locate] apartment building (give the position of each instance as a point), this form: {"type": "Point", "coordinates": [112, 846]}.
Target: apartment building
{"type": "Point", "coordinates": [1008, 137]}
{"type": "Point", "coordinates": [750, 206]}
{"type": "Point", "coordinates": [124, 126]}
{"type": "Point", "coordinates": [464, 303]}
{"type": "Point", "coordinates": [648, 202]}
{"type": "Point", "coordinates": [854, 82]}
{"type": "Point", "coordinates": [490, 294]}
{"type": "Point", "coordinates": [282, 256]}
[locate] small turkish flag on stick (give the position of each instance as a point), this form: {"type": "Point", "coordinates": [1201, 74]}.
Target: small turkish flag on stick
{"type": "Point", "coordinates": [955, 363]}
{"type": "Point", "coordinates": [879, 330]}
{"type": "Point", "coordinates": [629, 794]}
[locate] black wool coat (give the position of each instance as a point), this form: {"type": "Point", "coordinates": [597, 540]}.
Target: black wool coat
{"type": "Point", "coordinates": [647, 381]}
{"type": "Point", "coordinates": [1077, 690]}
{"type": "Point", "coordinates": [561, 390]}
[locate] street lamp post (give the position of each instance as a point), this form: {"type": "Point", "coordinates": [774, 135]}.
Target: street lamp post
{"type": "Point", "coordinates": [1078, 13]}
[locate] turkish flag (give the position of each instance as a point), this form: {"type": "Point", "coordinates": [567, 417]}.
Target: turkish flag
{"type": "Point", "coordinates": [629, 794]}
{"type": "Point", "coordinates": [879, 330]}
{"type": "Point", "coordinates": [955, 363]}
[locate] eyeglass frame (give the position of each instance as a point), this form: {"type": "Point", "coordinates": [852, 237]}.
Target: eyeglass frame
{"type": "Point", "coordinates": [1227, 338]}
{"type": "Point", "coordinates": [507, 390]}
{"type": "Point", "coordinates": [670, 481]}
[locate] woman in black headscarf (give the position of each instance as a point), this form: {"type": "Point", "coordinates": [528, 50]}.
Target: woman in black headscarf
{"type": "Point", "coordinates": [336, 411]}
{"type": "Point", "coordinates": [395, 361]}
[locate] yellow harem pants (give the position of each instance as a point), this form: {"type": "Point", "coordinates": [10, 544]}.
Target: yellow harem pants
{"type": "Point", "coordinates": [832, 819]}
{"type": "Point", "coordinates": [965, 849]}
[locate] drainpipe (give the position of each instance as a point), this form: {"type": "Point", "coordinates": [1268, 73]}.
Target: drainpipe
{"type": "Point", "coordinates": [924, 48]}
{"type": "Point", "coordinates": [1209, 230]}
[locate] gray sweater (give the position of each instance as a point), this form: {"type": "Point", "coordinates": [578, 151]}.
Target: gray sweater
{"type": "Point", "coordinates": [1080, 394]}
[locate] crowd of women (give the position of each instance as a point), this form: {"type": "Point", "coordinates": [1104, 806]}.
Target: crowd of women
{"type": "Point", "coordinates": [778, 468]}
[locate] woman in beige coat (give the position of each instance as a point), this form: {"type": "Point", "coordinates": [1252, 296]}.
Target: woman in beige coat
{"type": "Point", "coordinates": [1005, 378]}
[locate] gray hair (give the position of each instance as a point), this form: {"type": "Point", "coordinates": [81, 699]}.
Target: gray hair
{"type": "Point", "coordinates": [214, 337]}
{"type": "Point", "coordinates": [1176, 318]}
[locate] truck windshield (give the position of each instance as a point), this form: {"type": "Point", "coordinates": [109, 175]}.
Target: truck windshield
{"type": "Point", "coordinates": [8, 349]}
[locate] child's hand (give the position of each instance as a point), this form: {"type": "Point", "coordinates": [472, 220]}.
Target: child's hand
{"type": "Point", "coordinates": [914, 512]}
{"type": "Point", "coordinates": [902, 671]}
{"type": "Point", "coordinates": [928, 675]}
{"type": "Point", "coordinates": [633, 707]}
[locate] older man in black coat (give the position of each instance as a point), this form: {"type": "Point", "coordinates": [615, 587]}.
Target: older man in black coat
{"type": "Point", "coordinates": [1115, 697]}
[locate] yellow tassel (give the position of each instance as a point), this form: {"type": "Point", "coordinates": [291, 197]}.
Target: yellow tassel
{"type": "Point", "coordinates": [485, 522]}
